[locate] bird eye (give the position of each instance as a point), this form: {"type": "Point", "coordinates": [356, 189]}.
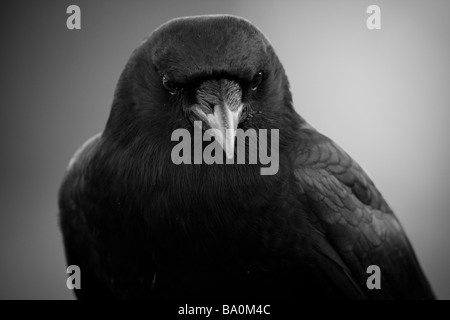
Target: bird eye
{"type": "Point", "coordinates": [256, 81]}
{"type": "Point", "coordinates": [169, 85]}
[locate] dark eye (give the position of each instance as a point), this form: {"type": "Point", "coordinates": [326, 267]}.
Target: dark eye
{"type": "Point", "coordinates": [256, 81]}
{"type": "Point", "coordinates": [169, 85]}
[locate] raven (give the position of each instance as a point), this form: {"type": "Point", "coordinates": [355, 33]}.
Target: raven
{"type": "Point", "coordinates": [140, 226]}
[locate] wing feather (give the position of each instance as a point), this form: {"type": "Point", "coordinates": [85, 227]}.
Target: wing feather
{"type": "Point", "coordinates": [356, 221]}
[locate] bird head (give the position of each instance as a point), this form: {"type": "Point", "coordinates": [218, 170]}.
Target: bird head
{"type": "Point", "coordinates": [219, 70]}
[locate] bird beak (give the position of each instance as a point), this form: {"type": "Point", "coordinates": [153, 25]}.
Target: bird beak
{"type": "Point", "coordinates": [223, 121]}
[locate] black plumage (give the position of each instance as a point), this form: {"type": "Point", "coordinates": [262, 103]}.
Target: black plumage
{"type": "Point", "coordinates": [140, 226]}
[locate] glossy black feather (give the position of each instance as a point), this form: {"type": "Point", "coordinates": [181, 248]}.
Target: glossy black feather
{"type": "Point", "coordinates": [356, 220]}
{"type": "Point", "coordinates": [140, 226]}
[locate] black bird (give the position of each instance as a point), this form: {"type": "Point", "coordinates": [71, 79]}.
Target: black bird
{"type": "Point", "coordinates": [141, 226]}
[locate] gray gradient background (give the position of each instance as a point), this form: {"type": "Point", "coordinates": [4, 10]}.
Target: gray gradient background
{"type": "Point", "coordinates": [382, 95]}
